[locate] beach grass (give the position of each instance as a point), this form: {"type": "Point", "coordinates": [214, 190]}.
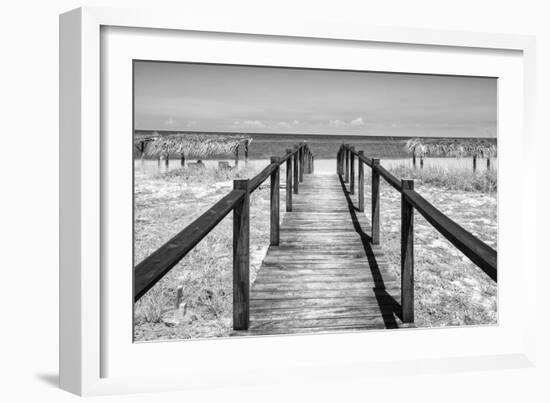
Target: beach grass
{"type": "Point", "coordinates": [449, 289]}
{"type": "Point", "coordinates": [165, 204]}
{"type": "Point", "coordinates": [450, 178]}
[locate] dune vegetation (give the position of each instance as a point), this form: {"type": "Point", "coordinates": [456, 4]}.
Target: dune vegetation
{"type": "Point", "coordinates": [450, 290]}
{"type": "Point", "coordinates": [450, 179]}
{"type": "Point", "coordinates": [164, 205]}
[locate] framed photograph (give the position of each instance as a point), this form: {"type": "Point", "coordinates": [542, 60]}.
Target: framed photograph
{"type": "Point", "coordinates": [237, 197]}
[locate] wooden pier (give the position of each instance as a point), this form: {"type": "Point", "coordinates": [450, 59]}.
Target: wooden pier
{"type": "Point", "coordinates": [325, 274]}
{"type": "Point", "coordinates": [324, 269]}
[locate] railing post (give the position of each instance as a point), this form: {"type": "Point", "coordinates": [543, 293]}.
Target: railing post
{"type": "Point", "coordinates": [407, 254]}
{"type": "Point", "coordinates": [241, 257]}
{"type": "Point", "coordinates": [289, 181]}
{"type": "Point", "coordinates": [346, 150]}
{"type": "Point", "coordinates": [274, 233]}
{"type": "Point", "coordinates": [361, 183]}
{"type": "Point", "coordinates": [167, 160]}
{"type": "Point", "coordinates": [296, 168]}
{"type": "Point", "coordinates": [375, 203]}
{"type": "Point", "coordinates": [339, 161]}
{"type": "Point", "coordinates": [312, 163]}
{"type": "Point", "coordinates": [352, 170]}
{"type": "Point", "coordinates": [301, 168]}
{"type": "Point", "coordinates": [474, 163]}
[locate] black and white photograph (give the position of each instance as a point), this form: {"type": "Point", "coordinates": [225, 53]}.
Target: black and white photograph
{"type": "Point", "coordinates": [273, 201]}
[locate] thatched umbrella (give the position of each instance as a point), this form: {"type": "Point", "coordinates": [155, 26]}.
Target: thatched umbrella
{"type": "Point", "coordinates": [459, 148]}
{"type": "Point", "coordinates": [195, 144]}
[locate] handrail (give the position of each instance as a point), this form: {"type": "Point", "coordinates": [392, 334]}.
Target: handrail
{"type": "Point", "coordinates": [155, 266]}
{"type": "Point", "coordinates": [476, 250]}
{"type": "Point", "coordinates": [479, 252]}
{"type": "Point", "coordinates": [149, 271]}
{"type": "Point", "coordinates": [262, 176]}
{"type": "Point", "coordinates": [392, 180]}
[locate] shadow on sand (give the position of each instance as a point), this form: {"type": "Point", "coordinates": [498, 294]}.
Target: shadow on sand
{"type": "Point", "coordinates": [389, 307]}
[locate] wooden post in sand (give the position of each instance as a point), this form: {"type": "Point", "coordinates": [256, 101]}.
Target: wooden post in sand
{"type": "Point", "coordinates": [375, 202]}
{"type": "Point", "coordinates": [361, 183]}
{"type": "Point", "coordinates": [275, 186]}
{"type": "Point", "coordinates": [241, 258]}
{"type": "Point", "coordinates": [289, 181]}
{"type": "Point", "coordinates": [407, 254]}
{"type": "Point", "coordinates": [295, 170]}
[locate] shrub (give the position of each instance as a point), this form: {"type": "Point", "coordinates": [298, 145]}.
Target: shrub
{"type": "Point", "coordinates": [452, 179]}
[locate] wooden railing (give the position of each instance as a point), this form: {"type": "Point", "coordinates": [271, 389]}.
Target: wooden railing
{"type": "Point", "coordinates": [476, 250]}
{"type": "Point", "coordinates": [147, 273]}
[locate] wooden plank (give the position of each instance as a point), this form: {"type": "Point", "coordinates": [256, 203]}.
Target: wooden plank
{"type": "Point", "coordinates": [333, 285]}
{"type": "Point", "coordinates": [336, 293]}
{"type": "Point", "coordinates": [315, 313]}
{"type": "Point", "coordinates": [320, 277]}
{"type": "Point", "coordinates": [317, 323]}
{"type": "Point", "coordinates": [381, 299]}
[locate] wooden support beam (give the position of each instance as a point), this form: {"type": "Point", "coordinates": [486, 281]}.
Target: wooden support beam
{"type": "Point", "coordinates": [352, 170]}
{"type": "Point", "coordinates": [275, 187]}
{"type": "Point", "coordinates": [241, 258]}
{"type": "Point", "coordinates": [182, 159]}
{"type": "Point", "coordinates": [375, 202]}
{"type": "Point", "coordinates": [346, 172]}
{"type": "Point", "coordinates": [289, 182]}
{"type": "Point", "coordinates": [407, 255]}
{"type": "Point", "coordinates": [301, 167]}
{"type": "Point", "coordinates": [296, 168]}
{"type": "Point", "coordinates": [361, 183]}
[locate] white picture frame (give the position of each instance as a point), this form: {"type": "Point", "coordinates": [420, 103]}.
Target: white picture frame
{"type": "Point", "coordinates": [86, 335]}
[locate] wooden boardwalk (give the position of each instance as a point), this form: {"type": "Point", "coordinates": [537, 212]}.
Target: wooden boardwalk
{"type": "Point", "coordinates": [324, 275]}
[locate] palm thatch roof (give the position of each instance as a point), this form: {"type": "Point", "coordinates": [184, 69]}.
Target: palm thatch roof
{"type": "Point", "coordinates": [479, 148]}
{"type": "Point", "coordinates": [196, 145]}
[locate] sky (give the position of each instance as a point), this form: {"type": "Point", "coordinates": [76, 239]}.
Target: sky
{"type": "Point", "coordinates": [224, 98]}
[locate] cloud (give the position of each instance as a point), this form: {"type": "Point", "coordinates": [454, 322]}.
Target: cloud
{"type": "Point", "coordinates": [249, 123]}
{"type": "Point", "coordinates": [192, 123]}
{"type": "Point", "coordinates": [336, 123]}
{"type": "Point", "coordinates": [283, 125]}
{"type": "Point", "coordinates": [357, 122]}
{"type": "Point", "coordinates": [295, 122]}
{"type": "Point", "coordinates": [170, 122]}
